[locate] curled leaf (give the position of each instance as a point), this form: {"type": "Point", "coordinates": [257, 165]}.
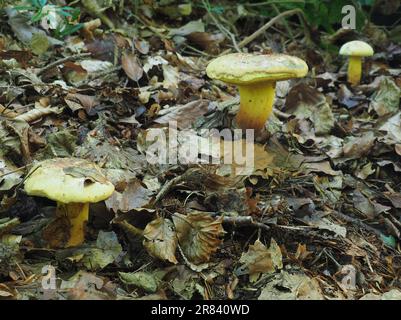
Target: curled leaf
{"type": "Point", "coordinates": [198, 235]}
{"type": "Point", "coordinates": [131, 66]}
{"type": "Point", "coordinates": [160, 239]}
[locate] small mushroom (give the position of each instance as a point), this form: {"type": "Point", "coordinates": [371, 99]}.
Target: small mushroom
{"type": "Point", "coordinates": [73, 183]}
{"type": "Point", "coordinates": [355, 50]}
{"type": "Point", "coordinates": [255, 76]}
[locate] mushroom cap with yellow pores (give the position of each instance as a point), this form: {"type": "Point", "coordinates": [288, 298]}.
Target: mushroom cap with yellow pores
{"type": "Point", "coordinates": [68, 180]}
{"type": "Point", "coordinates": [357, 49]}
{"type": "Point", "coordinates": [246, 68]}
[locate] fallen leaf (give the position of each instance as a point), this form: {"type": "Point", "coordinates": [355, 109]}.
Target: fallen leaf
{"type": "Point", "coordinates": [144, 280]}
{"type": "Point", "coordinates": [160, 239]}
{"type": "Point", "coordinates": [131, 66]}
{"type": "Point", "coordinates": [106, 251]}
{"type": "Point", "coordinates": [258, 259]}
{"type": "Point", "coordinates": [356, 147]}
{"type": "Point", "coordinates": [387, 99]}
{"type": "Point", "coordinates": [134, 196]}
{"type": "Point", "coordinates": [198, 235]}
{"type": "Point", "coordinates": [184, 115]}
{"type": "Point", "coordinates": [287, 286]}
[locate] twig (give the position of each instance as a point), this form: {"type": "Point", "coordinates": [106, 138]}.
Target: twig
{"type": "Point", "coordinates": [244, 221]}
{"type": "Point", "coordinates": [222, 28]}
{"type": "Point", "coordinates": [13, 171]}
{"type": "Point", "coordinates": [266, 26]}
{"type": "Point", "coordinates": [357, 222]}
{"type": "Point", "coordinates": [61, 61]}
{"type": "Point", "coordinates": [166, 188]}
{"type": "Point", "coordinates": [261, 30]}
{"type": "Point", "coordinates": [9, 113]}
{"type": "Point", "coordinates": [287, 27]}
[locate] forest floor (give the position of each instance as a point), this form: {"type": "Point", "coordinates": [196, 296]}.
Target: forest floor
{"type": "Point", "coordinates": [317, 218]}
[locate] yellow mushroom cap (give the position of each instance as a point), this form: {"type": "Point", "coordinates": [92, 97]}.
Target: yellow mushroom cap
{"type": "Point", "coordinates": [244, 68]}
{"type": "Point", "coordinates": [68, 180]}
{"type": "Point", "coordinates": [357, 49]}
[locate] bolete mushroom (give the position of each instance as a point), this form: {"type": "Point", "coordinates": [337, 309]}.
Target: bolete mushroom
{"type": "Point", "coordinates": [355, 50]}
{"type": "Point", "coordinates": [255, 76]}
{"type": "Point", "coordinates": [73, 183]}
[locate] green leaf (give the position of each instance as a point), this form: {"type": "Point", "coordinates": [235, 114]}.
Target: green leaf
{"type": "Point", "coordinates": [20, 8]}
{"type": "Point", "coordinates": [388, 240]}
{"type": "Point", "coordinates": [69, 29]}
{"type": "Point", "coordinates": [37, 16]}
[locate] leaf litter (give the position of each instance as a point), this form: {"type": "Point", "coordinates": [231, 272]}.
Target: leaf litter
{"type": "Point", "coordinates": [321, 203]}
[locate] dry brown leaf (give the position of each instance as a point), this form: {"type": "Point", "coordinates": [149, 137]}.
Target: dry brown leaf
{"type": "Point", "coordinates": [185, 115]}
{"type": "Point", "coordinates": [160, 239]}
{"type": "Point", "coordinates": [262, 159]}
{"type": "Point", "coordinates": [142, 46]}
{"type": "Point", "coordinates": [198, 235]}
{"type": "Point", "coordinates": [302, 252]}
{"type": "Point", "coordinates": [359, 146]}
{"type": "Point", "coordinates": [257, 260]}
{"type": "Point", "coordinates": [78, 101]}
{"type": "Point", "coordinates": [131, 66]}
{"type": "Point", "coordinates": [37, 113]}
{"type": "Point", "coordinates": [134, 196]}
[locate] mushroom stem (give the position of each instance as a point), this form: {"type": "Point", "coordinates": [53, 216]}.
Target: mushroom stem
{"type": "Point", "coordinates": [256, 104]}
{"type": "Point", "coordinates": [77, 214]}
{"type": "Point", "coordinates": [354, 70]}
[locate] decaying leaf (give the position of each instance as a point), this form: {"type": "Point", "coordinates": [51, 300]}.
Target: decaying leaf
{"type": "Point", "coordinates": [105, 251]}
{"type": "Point", "coordinates": [308, 103]}
{"type": "Point", "coordinates": [199, 235]}
{"type": "Point", "coordinates": [259, 259]}
{"type": "Point", "coordinates": [143, 280]}
{"type": "Point", "coordinates": [132, 197]}
{"type": "Point", "coordinates": [387, 98]}
{"type": "Point", "coordinates": [9, 175]}
{"type": "Point", "coordinates": [356, 147]}
{"type": "Point", "coordinates": [286, 286]}
{"type": "Point", "coordinates": [131, 66]}
{"type": "Point", "coordinates": [161, 240]}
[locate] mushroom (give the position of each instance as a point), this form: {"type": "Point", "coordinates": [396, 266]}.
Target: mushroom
{"type": "Point", "coordinates": [255, 76]}
{"type": "Point", "coordinates": [355, 50]}
{"type": "Point", "coordinates": [73, 183]}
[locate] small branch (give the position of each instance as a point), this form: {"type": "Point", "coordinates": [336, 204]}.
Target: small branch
{"type": "Point", "coordinates": [166, 188]}
{"type": "Point", "coordinates": [244, 221]}
{"type": "Point", "coordinates": [61, 61]}
{"type": "Point", "coordinates": [357, 222]}
{"type": "Point", "coordinates": [266, 26]}
{"type": "Point", "coordinates": [222, 28]}
{"type": "Point", "coordinates": [13, 171]}
{"type": "Point", "coordinates": [287, 27]}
